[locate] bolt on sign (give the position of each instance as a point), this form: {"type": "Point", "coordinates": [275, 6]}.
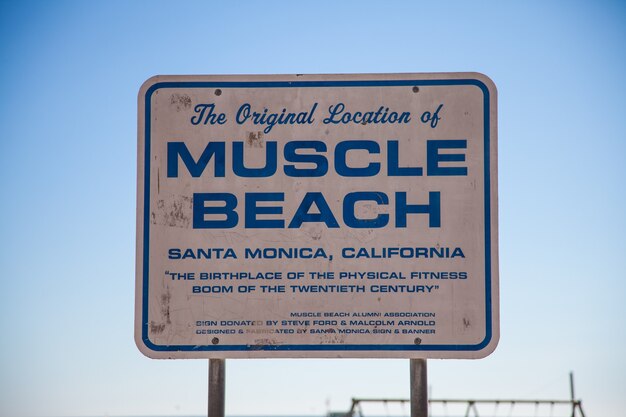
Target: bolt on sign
{"type": "Point", "coordinates": [317, 216]}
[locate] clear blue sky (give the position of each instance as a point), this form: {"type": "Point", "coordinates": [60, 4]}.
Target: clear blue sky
{"type": "Point", "coordinates": [69, 77]}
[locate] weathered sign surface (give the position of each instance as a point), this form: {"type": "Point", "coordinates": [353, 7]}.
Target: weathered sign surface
{"type": "Point", "coordinates": [317, 216]}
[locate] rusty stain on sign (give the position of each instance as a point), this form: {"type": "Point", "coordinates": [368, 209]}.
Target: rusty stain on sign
{"type": "Point", "coordinates": [165, 306]}
{"type": "Point", "coordinates": [173, 212]}
{"type": "Point", "coordinates": [180, 102]}
{"type": "Point", "coordinates": [156, 329]}
{"type": "Point", "coordinates": [255, 139]}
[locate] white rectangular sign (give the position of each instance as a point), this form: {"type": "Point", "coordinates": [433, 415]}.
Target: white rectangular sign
{"type": "Point", "coordinates": [317, 216]}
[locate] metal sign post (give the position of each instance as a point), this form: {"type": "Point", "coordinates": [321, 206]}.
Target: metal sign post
{"type": "Point", "coordinates": [217, 387]}
{"type": "Point", "coordinates": [419, 388]}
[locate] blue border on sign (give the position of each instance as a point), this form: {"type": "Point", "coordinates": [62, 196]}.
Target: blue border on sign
{"type": "Point", "coordinates": [313, 84]}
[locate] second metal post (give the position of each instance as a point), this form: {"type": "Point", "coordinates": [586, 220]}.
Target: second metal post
{"type": "Point", "coordinates": [419, 388]}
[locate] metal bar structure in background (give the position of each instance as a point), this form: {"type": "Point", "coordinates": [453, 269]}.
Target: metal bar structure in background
{"type": "Point", "coordinates": [571, 389]}
{"type": "Point", "coordinates": [472, 405]}
{"type": "Point", "coordinates": [419, 388]}
{"type": "Point", "coordinates": [420, 401]}
{"type": "Point", "coordinates": [217, 387]}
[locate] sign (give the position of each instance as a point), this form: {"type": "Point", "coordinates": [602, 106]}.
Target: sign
{"type": "Point", "coordinates": [317, 216]}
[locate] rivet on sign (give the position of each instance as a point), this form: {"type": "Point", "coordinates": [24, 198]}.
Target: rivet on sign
{"type": "Point", "coordinates": [215, 341]}
{"type": "Point", "coordinates": [218, 92]}
{"type": "Point", "coordinates": [418, 341]}
{"type": "Point", "coordinates": [416, 89]}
